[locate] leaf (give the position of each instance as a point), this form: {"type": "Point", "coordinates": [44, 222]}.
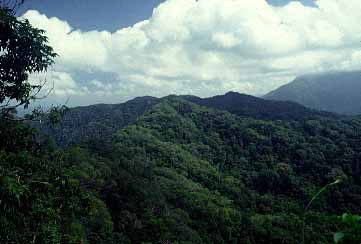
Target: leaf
{"type": "Point", "coordinates": [344, 217]}
{"type": "Point", "coordinates": [337, 237]}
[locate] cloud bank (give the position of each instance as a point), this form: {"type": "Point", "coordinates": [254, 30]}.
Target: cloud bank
{"type": "Point", "coordinates": [203, 47]}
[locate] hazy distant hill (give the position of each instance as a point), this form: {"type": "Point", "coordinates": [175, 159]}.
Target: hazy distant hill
{"type": "Point", "coordinates": [100, 122]}
{"type": "Point", "coordinates": [335, 92]}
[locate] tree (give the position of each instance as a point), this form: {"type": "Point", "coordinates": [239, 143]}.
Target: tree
{"type": "Point", "coordinates": [24, 50]}
{"type": "Point", "coordinates": [11, 4]}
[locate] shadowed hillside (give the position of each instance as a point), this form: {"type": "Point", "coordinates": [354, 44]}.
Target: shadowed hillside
{"type": "Point", "coordinates": [338, 92]}
{"type": "Point", "coordinates": [250, 106]}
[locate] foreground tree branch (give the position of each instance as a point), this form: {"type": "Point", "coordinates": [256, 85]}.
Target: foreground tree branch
{"type": "Point", "coordinates": [24, 50]}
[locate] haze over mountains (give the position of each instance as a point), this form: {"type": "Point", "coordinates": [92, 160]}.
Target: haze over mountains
{"type": "Point", "coordinates": [338, 92]}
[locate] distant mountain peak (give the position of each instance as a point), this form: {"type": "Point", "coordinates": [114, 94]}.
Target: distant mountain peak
{"type": "Point", "coordinates": [338, 92]}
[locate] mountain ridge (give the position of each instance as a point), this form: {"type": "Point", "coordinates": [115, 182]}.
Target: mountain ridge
{"type": "Point", "coordinates": [257, 107]}
{"type": "Point", "coordinates": [338, 92]}
{"type": "Point", "coordinates": [99, 122]}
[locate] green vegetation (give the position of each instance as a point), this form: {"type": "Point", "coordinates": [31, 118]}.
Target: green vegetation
{"type": "Point", "coordinates": [185, 174]}
{"type": "Point", "coordinates": [24, 50]}
{"type": "Point", "coordinates": [236, 179]}
{"type": "Point", "coordinates": [177, 172]}
{"type": "Point", "coordinates": [47, 196]}
{"type": "Point", "coordinates": [351, 225]}
{"type": "Point", "coordinates": [97, 123]}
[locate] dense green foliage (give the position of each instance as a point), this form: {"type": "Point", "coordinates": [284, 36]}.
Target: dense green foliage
{"type": "Point", "coordinates": [182, 173]}
{"type": "Point", "coordinates": [175, 172]}
{"type": "Point", "coordinates": [48, 196]}
{"type": "Point", "coordinates": [351, 229]}
{"type": "Point", "coordinates": [23, 50]}
{"type": "Point", "coordinates": [97, 123]}
{"type": "Point", "coordinates": [235, 179]}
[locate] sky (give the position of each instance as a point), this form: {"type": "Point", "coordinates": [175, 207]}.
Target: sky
{"type": "Point", "coordinates": [110, 53]}
{"type": "Point", "coordinates": [89, 15]}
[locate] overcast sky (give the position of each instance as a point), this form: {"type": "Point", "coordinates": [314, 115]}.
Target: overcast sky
{"type": "Point", "coordinates": [112, 52]}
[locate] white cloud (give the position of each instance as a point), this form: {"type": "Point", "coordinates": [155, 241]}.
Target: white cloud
{"type": "Point", "coordinates": [60, 84]}
{"type": "Point", "coordinates": [226, 40]}
{"type": "Point", "coordinates": [206, 47]}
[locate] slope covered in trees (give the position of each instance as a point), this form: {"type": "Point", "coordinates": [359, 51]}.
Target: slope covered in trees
{"type": "Point", "coordinates": [182, 173]}
{"type": "Point", "coordinates": [218, 178]}
{"type": "Point", "coordinates": [95, 122]}
{"type": "Point", "coordinates": [100, 122]}
{"type": "Point", "coordinates": [175, 172]}
{"type": "Point", "coordinates": [49, 196]}
{"type": "Point", "coordinates": [250, 106]}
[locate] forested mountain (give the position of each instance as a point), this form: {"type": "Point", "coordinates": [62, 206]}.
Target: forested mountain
{"type": "Point", "coordinates": [95, 122]}
{"type": "Point", "coordinates": [183, 173]}
{"type": "Point", "coordinates": [250, 106]}
{"type": "Point", "coordinates": [188, 174]}
{"type": "Point", "coordinates": [100, 122]}
{"type": "Point", "coordinates": [338, 92]}
{"type": "Point", "coordinates": [177, 170]}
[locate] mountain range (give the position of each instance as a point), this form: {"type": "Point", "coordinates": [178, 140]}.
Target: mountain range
{"type": "Point", "coordinates": [180, 172]}
{"type": "Point", "coordinates": [183, 169]}
{"type": "Point", "coordinates": [338, 92]}
{"type": "Point", "coordinates": [100, 122]}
